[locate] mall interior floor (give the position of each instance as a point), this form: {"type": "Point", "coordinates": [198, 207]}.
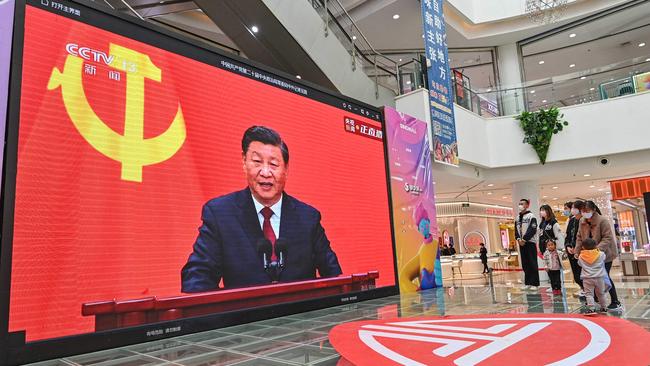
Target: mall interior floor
{"type": "Point", "coordinates": [302, 339]}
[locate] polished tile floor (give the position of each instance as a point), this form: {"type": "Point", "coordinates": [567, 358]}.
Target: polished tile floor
{"type": "Point", "coordinates": [301, 339]}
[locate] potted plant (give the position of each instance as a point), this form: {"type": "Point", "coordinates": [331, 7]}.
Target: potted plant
{"type": "Point", "coordinates": [539, 127]}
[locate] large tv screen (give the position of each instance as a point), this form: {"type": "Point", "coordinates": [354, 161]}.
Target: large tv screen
{"type": "Point", "coordinates": [142, 168]}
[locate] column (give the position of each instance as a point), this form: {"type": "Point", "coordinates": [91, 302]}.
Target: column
{"type": "Point", "coordinates": [528, 190]}
{"type": "Point", "coordinates": [510, 79]}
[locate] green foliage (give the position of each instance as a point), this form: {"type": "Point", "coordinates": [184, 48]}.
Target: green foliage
{"type": "Point", "coordinates": [539, 127]}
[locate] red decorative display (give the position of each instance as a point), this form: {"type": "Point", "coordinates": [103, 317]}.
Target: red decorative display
{"type": "Point", "coordinates": [505, 339]}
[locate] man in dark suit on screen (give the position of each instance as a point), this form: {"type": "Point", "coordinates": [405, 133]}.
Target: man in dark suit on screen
{"type": "Point", "coordinates": [226, 247]}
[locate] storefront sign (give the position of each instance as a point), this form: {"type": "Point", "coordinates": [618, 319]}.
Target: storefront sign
{"type": "Point", "coordinates": [414, 210]}
{"type": "Point", "coordinates": [445, 145]}
{"type": "Point", "coordinates": [629, 188]}
{"type": "Point", "coordinates": [492, 340]}
{"type": "Point", "coordinates": [455, 209]}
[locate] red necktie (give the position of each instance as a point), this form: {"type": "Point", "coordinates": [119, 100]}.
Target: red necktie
{"type": "Point", "coordinates": [268, 229]}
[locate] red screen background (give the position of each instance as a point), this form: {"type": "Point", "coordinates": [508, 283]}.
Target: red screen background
{"type": "Point", "coordinates": [83, 234]}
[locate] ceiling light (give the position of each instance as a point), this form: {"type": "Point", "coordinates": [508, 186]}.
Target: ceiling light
{"type": "Point", "coordinates": [543, 100]}
{"type": "Point", "coordinates": [586, 175]}
{"type": "Point", "coordinates": [601, 189]}
{"type": "Point", "coordinates": [396, 16]}
{"type": "Point", "coordinates": [541, 62]}
{"type": "Point", "coordinates": [572, 35]}
{"type": "Point", "coordinates": [555, 187]}
{"type": "Point", "coordinates": [491, 185]}
{"type": "Point", "coordinates": [572, 95]}
{"type": "Point", "coordinates": [504, 197]}
{"type": "Point", "coordinates": [583, 77]}
{"type": "Point", "coordinates": [255, 29]}
{"type": "Point", "coordinates": [400, 60]}
{"type": "Point", "coordinates": [298, 76]}
{"type": "Point", "coordinates": [545, 197]}
{"type": "Point", "coordinates": [572, 65]}
{"type": "Point", "coordinates": [647, 60]}
{"type": "Point", "coordinates": [592, 186]}
{"type": "Point", "coordinates": [532, 92]}
{"type": "Point", "coordinates": [642, 44]}
{"type": "Point", "coordinates": [408, 82]}
{"type": "Point", "coordinates": [355, 37]}
{"type": "Point", "coordinates": [489, 193]}
{"type": "Point", "coordinates": [489, 89]}
{"type": "Point", "coordinates": [592, 89]}
{"type": "Point", "coordinates": [554, 198]}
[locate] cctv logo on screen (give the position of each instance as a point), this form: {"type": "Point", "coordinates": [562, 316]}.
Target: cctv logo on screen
{"type": "Point", "coordinates": [131, 149]}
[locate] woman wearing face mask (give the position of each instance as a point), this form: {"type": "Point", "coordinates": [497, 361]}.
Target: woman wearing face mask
{"type": "Point", "coordinates": [572, 210]}
{"type": "Point", "coordinates": [549, 229]}
{"type": "Point", "coordinates": [593, 225]}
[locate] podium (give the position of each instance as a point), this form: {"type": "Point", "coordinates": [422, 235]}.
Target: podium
{"type": "Point", "coordinates": [113, 314]}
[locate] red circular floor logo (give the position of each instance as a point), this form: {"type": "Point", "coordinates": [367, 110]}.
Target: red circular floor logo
{"type": "Point", "coordinates": [504, 339]}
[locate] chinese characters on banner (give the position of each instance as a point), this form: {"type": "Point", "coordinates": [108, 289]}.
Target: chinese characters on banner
{"type": "Point", "coordinates": [445, 146]}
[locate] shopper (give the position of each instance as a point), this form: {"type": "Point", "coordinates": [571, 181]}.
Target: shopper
{"type": "Point", "coordinates": [526, 233]}
{"type": "Point", "coordinates": [594, 226]}
{"type": "Point", "coordinates": [452, 251]}
{"type": "Point", "coordinates": [445, 250]}
{"type": "Point", "coordinates": [593, 275]}
{"type": "Point", "coordinates": [572, 210]}
{"type": "Point", "coordinates": [549, 229]}
{"type": "Point", "coordinates": [484, 260]}
{"type": "Point", "coordinates": [553, 262]}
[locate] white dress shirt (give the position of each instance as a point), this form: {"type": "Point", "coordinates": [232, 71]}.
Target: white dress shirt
{"type": "Point", "coordinates": [275, 219]}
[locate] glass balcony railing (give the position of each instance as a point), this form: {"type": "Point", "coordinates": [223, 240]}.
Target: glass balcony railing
{"type": "Point", "coordinates": [584, 86]}
{"type": "Point", "coordinates": [606, 82]}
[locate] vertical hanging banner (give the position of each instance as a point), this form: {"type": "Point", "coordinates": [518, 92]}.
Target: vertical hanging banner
{"type": "Point", "coordinates": [441, 104]}
{"type": "Point", "coordinates": [414, 209]}
{"type": "Point", "coordinates": [6, 28]}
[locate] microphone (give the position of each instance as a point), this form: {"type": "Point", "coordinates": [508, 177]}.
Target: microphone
{"type": "Point", "coordinates": [265, 248]}
{"type": "Point", "coordinates": [281, 251]}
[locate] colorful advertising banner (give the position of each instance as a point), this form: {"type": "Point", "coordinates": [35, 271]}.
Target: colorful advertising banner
{"type": "Point", "coordinates": [445, 145]}
{"type": "Point", "coordinates": [414, 209]}
{"type": "Point", "coordinates": [6, 28]}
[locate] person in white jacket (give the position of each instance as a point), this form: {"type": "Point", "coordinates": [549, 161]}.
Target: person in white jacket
{"type": "Point", "coordinates": [526, 235]}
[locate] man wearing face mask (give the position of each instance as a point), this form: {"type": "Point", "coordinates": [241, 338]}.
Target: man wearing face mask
{"type": "Point", "coordinates": [526, 233]}
{"type": "Point", "coordinates": [594, 226]}
{"type": "Point", "coordinates": [572, 210]}
{"type": "Point", "coordinates": [226, 249]}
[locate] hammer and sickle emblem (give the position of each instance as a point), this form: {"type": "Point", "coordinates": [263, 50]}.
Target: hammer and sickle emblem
{"type": "Point", "coordinates": [130, 149]}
